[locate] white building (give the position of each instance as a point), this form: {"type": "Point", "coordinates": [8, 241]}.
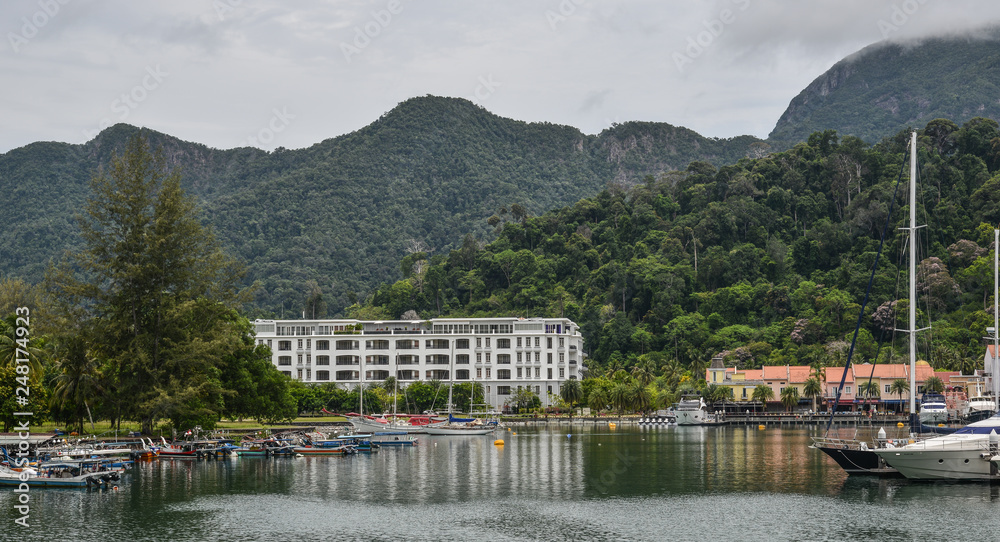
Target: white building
{"type": "Point", "coordinates": [503, 354]}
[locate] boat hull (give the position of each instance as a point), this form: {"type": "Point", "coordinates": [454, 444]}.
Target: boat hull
{"type": "Point", "coordinates": [459, 431]}
{"type": "Point", "coordinates": [964, 464]}
{"type": "Point", "coordinates": [854, 459]}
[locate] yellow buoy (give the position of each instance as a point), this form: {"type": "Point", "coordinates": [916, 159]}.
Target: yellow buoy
{"type": "Point", "coordinates": [760, 427]}
{"type": "Point", "coordinates": [513, 434]}
{"type": "Point", "coordinates": [498, 442]}
{"type": "Point", "coordinates": [612, 425]}
{"type": "Point", "coordinates": [899, 424]}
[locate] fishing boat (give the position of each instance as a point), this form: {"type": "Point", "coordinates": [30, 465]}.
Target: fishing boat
{"type": "Point", "coordinates": [95, 473]}
{"type": "Point", "coordinates": [324, 448]}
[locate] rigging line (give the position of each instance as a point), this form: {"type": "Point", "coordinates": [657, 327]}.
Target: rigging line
{"type": "Point", "coordinates": [868, 290]}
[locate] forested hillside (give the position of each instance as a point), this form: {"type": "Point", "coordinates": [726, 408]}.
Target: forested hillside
{"type": "Point", "coordinates": [888, 86]}
{"type": "Point", "coordinates": [764, 261]}
{"type": "Point", "coordinates": [334, 219]}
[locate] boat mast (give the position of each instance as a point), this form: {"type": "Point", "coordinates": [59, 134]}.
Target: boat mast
{"type": "Point", "coordinates": [913, 278]}
{"type": "Point", "coordinates": [994, 381]}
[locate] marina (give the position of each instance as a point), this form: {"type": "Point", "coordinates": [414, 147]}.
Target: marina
{"type": "Point", "coordinates": [558, 482]}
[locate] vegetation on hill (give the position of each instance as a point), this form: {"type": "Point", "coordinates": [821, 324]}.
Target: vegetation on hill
{"type": "Point", "coordinates": [890, 86]}
{"type": "Point", "coordinates": [333, 219]}
{"type": "Point", "coordinates": [764, 262]}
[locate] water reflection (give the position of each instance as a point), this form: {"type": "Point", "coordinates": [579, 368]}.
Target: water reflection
{"type": "Point", "coordinates": [549, 483]}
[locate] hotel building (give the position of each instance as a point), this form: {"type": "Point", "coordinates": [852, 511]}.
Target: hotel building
{"type": "Point", "coordinates": [502, 354]}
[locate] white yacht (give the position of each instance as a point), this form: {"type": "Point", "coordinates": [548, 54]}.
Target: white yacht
{"type": "Point", "coordinates": [933, 409]}
{"type": "Point", "coordinates": [965, 454]}
{"type": "Point", "coordinates": [691, 410]}
{"type": "Point", "coordinates": [981, 406]}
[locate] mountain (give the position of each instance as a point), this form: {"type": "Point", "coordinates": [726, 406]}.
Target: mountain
{"type": "Point", "coordinates": [344, 211]}
{"type": "Point", "coordinates": [889, 86]}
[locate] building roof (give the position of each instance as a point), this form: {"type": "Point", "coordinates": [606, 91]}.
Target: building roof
{"type": "Point", "coordinates": [834, 374]}
{"type": "Point", "coordinates": [775, 372]}
{"type": "Point", "coordinates": [798, 374]}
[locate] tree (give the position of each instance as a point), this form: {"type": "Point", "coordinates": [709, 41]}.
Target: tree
{"type": "Point", "coordinates": [899, 387]}
{"type": "Point", "coordinates": [77, 384]}
{"type": "Point", "coordinates": [934, 384]}
{"type": "Point", "coordinates": [572, 392]}
{"type": "Point", "coordinates": [812, 389]}
{"type": "Point", "coordinates": [154, 291]}
{"type": "Point", "coordinates": [789, 397]}
{"type": "Point", "coordinates": [598, 400]}
{"type": "Point", "coordinates": [762, 394]}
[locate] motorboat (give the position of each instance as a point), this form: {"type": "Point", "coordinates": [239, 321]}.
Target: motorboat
{"type": "Point", "coordinates": [90, 473]}
{"type": "Point", "coordinates": [692, 410]}
{"type": "Point", "coordinates": [965, 454]}
{"type": "Point", "coordinates": [981, 407]}
{"type": "Point", "coordinates": [933, 409]}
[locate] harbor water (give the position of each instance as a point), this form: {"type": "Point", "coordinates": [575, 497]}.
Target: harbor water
{"type": "Point", "coordinates": [557, 482]}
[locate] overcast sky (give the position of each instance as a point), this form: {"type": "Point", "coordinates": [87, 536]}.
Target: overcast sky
{"type": "Point", "coordinates": [271, 73]}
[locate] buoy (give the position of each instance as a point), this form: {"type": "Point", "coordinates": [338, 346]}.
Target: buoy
{"type": "Point", "coordinates": [513, 434]}
{"type": "Point", "coordinates": [598, 443]}
{"type": "Point", "coordinates": [612, 425]}
{"type": "Point", "coordinates": [498, 442]}
{"type": "Point", "coordinates": [508, 428]}
{"type": "Point", "coordinates": [568, 435]}
{"type": "Point", "coordinates": [760, 427]}
{"type": "Point", "coordinates": [899, 424]}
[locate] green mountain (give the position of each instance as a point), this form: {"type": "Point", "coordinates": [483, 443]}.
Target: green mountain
{"type": "Point", "coordinates": [344, 211]}
{"type": "Point", "coordinates": [887, 87]}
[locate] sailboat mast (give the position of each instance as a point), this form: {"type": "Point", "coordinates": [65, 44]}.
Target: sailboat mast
{"type": "Point", "coordinates": [994, 380]}
{"type": "Point", "coordinates": [913, 275]}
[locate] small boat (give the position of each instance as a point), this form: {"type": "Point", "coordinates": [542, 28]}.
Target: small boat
{"type": "Point", "coordinates": [980, 408]}
{"type": "Point", "coordinates": [95, 473]}
{"type": "Point", "coordinates": [661, 418]}
{"type": "Point", "coordinates": [933, 409]}
{"type": "Point", "coordinates": [321, 448]}
{"type": "Point", "coordinates": [396, 439]}
{"type": "Point", "coordinates": [461, 429]}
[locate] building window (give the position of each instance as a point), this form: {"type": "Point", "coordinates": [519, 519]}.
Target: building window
{"type": "Point", "coordinates": [284, 345]}
{"type": "Point", "coordinates": [347, 345]}
{"type": "Point", "coordinates": [562, 357]}
{"type": "Point", "coordinates": [377, 345]}
{"type": "Point", "coordinates": [550, 373]}
{"type": "Point", "coordinates": [487, 342]}
{"type": "Point", "coordinates": [562, 342]}
{"type": "Point", "coordinates": [847, 390]}
{"type": "Point", "coordinates": [503, 390]}
{"type": "Point", "coordinates": [548, 342]}
{"type": "Point", "coordinates": [503, 358]}
{"type": "Point", "coordinates": [269, 343]}
{"type": "Point", "coordinates": [322, 345]}
{"type": "Point", "coordinates": [347, 375]}
{"type": "Point", "coordinates": [519, 357]}
{"type": "Point", "coordinates": [309, 344]}
{"type": "Point", "coordinates": [562, 373]}
{"type": "Point", "coordinates": [519, 341]}
{"type": "Point", "coordinates": [437, 344]}
{"type": "Point", "coordinates": [462, 343]}
{"type": "Point", "coordinates": [376, 360]}
{"type": "Point", "coordinates": [487, 357]}
{"type": "Point", "coordinates": [537, 339]}
{"type": "Point", "coordinates": [299, 359]}
{"type": "Point", "coordinates": [503, 374]}
{"type": "Point", "coordinates": [284, 360]}
{"type": "Point", "coordinates": [887, 388]}
{"type": "Point", "coordinates": [519, 372]}
{"type": "Point", "coordinates": [538, 357]}
{"type": "Point", "coordinates": [322, 360]}
{"type": "Point", "coordinates": [287, 373]}
{"type": "Point", "coordinates": [462, 374]}
{"type": "Point", "coordinates": [538, 372]}
{"type": "Point", "coordinates": [407, 360]}
{"type": "Point", "coordinates": [462, 358]}
{"type": "Point", "coordinates": [487, 372]}
{"type": "Point", "coordinates": [503, 343]}
{"type": "Point", "coordinates": [322, 375]}
{"type": "Point", "coordinates": [549, 356]}
{"type": "Point", "coordinates": [479, 341]}
{"type": "Point", "coordinates": [299, 374]}
{"type": "Point", "coordinates": [348, 360]}
{"type": "Point", "coordinates": [407, 344]}
{"type": "Point", "coordinates": [479, 373]}
{"type": "Point", "coordinates": [437, 359]}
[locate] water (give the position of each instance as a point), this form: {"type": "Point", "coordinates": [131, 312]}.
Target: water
{"type": "Point", "coordinates": [558, 483]}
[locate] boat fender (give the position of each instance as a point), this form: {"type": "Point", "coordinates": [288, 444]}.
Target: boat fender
{"type": "Point", "coordinates": [864, 446]}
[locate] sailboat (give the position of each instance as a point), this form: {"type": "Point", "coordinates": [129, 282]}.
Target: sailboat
{"type": "Point", "coordinates": [382, 424]}
{"type": "Point", "coordinates": [970, 453]}
{"type": "Point", "coordinates": [452, 426]}
{"type": "Point", "coordinates": [859, 456]}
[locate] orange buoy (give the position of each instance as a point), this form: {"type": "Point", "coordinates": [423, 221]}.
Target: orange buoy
{"type": "Point", "coordinates": [498, 442]}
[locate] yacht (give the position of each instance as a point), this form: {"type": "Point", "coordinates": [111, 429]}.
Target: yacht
{"type": "Point", "coordinates": [965, 454]}
{"type": "Point", "coordinates": [692, 411]}
{"type": "Point", "coordinates": [980, 407]}
{"type": "Point", "coordinates": [933, 409]}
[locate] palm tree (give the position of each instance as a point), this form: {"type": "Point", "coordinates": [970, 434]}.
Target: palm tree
{"type": "Point", "coordinates": [716, 393]}
{"type": "Point", "coordinates": [571, 391]}
{"type": "Point", "coordinates": [11, 350]}
{"type": "Point", "coordinates": [621, 396]}
{"type": "Point", "coordinates": [598, 399]}
{"type": "Point", "coordinates": [642, 399]}
{"type": "Point", "coordinates": [77, 384]}
{"type": "Point", "coordinates": [899, 387]}
{"type": "Point", "coordinates": [868, 390]}
{"type": "Point", "coordinates": [813, 388]}
{"type": "Point", "coordinates": [789, 397]}
{"type": "Point", "coordinates": [762, 394]}
{"type": "Point", "coordinates": [934, 384]}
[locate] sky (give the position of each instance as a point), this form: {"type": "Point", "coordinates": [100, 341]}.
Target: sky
{"type": "Point", "coordinates": [269, 73]}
